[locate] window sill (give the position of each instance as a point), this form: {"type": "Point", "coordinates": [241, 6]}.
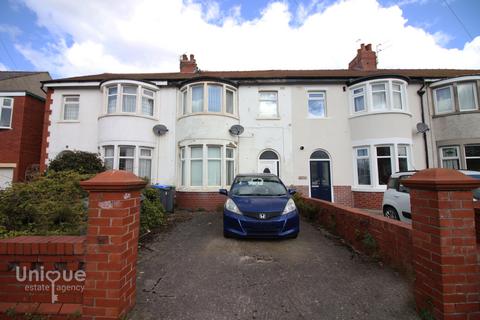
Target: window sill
{"type": "Point", "coordinates": [68, 121]}
{"type": "Point", "coordinates": [446, 114]}
{"type": "Point", "coordinates": [268, 118]}
{"type": "Point", "coordinates": [5, 128]}
{"type": "Point", "coordinates": [318, 118]}
{"type": "Point", "coordinates": [127, 115]}
{"type": "Point", "coordinates": [369, 188]}
{"type": "Point", "coordinates": [218, 114]}
{"type": "Point", "coordinates": [369, 113]}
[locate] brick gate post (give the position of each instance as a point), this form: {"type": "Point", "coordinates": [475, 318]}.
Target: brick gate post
{"type": "Point", "coordinates": [445, 260]}
{"type": "Point", "coordinates": [112, 242]}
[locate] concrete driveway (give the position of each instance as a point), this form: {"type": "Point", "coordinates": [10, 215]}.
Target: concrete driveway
{"type": "Point", "coordinates": [192, 272]}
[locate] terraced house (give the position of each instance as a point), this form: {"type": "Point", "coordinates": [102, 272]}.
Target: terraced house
{"type": "Point", "coordinates": [333, 134]}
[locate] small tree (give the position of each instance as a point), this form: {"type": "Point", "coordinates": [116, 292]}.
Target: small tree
{"type": "Point", "coordinates": [78, 161]}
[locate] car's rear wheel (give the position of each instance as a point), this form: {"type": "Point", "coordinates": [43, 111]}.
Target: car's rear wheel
{"type": "Point", "coordinates": [390, 212]}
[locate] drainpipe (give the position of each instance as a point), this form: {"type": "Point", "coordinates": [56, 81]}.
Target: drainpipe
{"type": "Point", "coordinates": [420, 93]}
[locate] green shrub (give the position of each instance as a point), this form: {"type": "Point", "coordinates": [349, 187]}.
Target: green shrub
{"type": "Point", "coordinates": [152, 213]}
{"type": "Point", "coordinates": [79, 161]}
{"type": "Point", "coordinates": [50, 204]}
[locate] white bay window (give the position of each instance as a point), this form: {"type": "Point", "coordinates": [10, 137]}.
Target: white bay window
{"type": "Point", "coordinates": [207, 97]}
{"type": "Point", "coordinates": [130, 98]}
{"type": "Point", "coordinates": [136, 159]}
{"type": "Point", "coordinates": [375, 96]}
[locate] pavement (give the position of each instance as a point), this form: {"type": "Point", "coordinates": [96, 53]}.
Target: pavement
{"type": "Point", "coordinates": [193, 272]}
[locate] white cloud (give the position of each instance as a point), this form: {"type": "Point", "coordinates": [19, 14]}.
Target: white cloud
{"type": "Point", "coordinates": [12, 31]}
{"type": "Point", "coordinates": [3, 67]}
{"type": "Point", "coordinates": [149, 35]}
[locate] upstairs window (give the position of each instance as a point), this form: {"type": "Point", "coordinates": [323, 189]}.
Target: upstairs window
{"type": "Point", "coordinates": [268, 107]}
{"type": "Point", "coordinates": [467, 96]}
{"type": "Point", "coordinates": [206, 97]}
{"type": "Point", "coordinates": [316, 104]}
{"type": "Point", "coordinates": [214, 98]}
{"type": "Point", "coordinates": [129, 98]}
{"type": "Point", "coordinates": [6, 109]}
{"type": "Point", "coordinates": [444, 99]}
{"type": "Point", "coordinates": [379, 96]}
{"type": "Point", "coordinates": [184, 101]}
{"type": "Point", "coordinates": [397, 96]}
{"type": "Point", "coordinates": [197, 98]}
{"type": "Point", "coordinates": [112, 93]}
{"type": "Point", "coordinates": [71, 106]}
{"type": "Point", "coordinates": [229, 101]}
{"type": "Point", "coordinates": [375, 96]}
{"type": "Point", "coordinates": [147, 102]}
{"type": "Point", "coordinates": [359, 99]}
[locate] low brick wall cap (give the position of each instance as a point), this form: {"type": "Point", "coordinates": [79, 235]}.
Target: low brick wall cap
{"type": "Point", "coordinates": [114, 180]}
{"type": "Point", "coordinates": [440, 179]}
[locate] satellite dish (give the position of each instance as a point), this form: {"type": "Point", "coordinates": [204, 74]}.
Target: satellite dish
{"type": "Point", "coordinates": [160, 130]}
{"type": "Point", "coordinates": [236, 130]}
{"type": "Point", "coordinates": [422, 127]}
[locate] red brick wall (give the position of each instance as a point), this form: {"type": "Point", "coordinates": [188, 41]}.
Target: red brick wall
{"type": "Point", "coordinates": [367, 200]}
{"type": "Point", "coordinates": [51, 253]}
{"type": "Point", "coordinates": [210, 201]}
{"type": "Point", "coordinates": [477, 222]}
{"type": "Point", "coordinates": [22, 143]}
{"type": "Point", "coordinates": [343, 195]}
{"type": "Point", "coordinates": [393, 239]}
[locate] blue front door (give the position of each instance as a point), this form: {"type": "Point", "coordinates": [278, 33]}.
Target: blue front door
{"type": "Point", "coordinates": [320, 182]}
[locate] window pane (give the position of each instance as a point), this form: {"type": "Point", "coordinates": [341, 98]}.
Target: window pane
{"type": "Point", "coordinates": [397, 100]}
{"type": "Point", "coordinates": [197, 98]}
{"type": "Point", "coordinates": [268, 96]}
{"type": "Point", "coordinates": [214, 170]}
{"type": "Point", "coordinates": [396, 87]}
{"type": "Point", "coordinates": [472, 151]}
{"type": "Point", "coordinates": [229, 101]}
{"type": "Point", "coordinates": [359, 103]}
{"type": "Point", "coordinates": [229, 153]}
{"type": "Point", "coordinates": [129, 103]}
{"type": "Point", "coordinates": [145, 168]}
{"type": "Point", "coordinates": [384, 170]}
{"type": "Point", "coordinates": [363, 171]}
{"type": "Point", "coordinates": [214, 152]}
{"type": "Point", "coordinates": [316, 108]}
{"type": "Point", "coordinates": [402, 164]}
{"type": "Point", "coordinates": [383, 151]}
{"type": "Point", "coordinates": [378, 87]}
{"type": "Point", "coordinates": [230, 172]}
{"type": "Point", "coordinates": [112, 91]}
{"type": "Point", "coordinates": [7, 102]}
{"type": "Point", "coordinates": [196, 172]}
{"type": "Point", "coordinates": [402, 151]}
{"type": "Point", "coordinates": [444, 99]}
{"type": "Point", "coordinates": [182, 164]}
{"type": "Point", "coordinates": [184, 102]}
{"type": "Point", "coordinates": [5, 117]}
{"type": "Point", "coordinates": [127, 151]}
{"type": "Point", "coordinates": [70, 112]}
{"type": "Point", "coordinates": [214, 98]}
{"type": "Point", "coordinates": [466, 96]}
{"type": "Point", "coordinates": [473, 164]}
{"type": "Point", "coordinates": [109, 151]}
{"type": "Point", "coordinates": [148, 93]}
{"type": "Point", "coordinates": [362, 152]}
{"type": "Point", "coordinates": [126, 164]}
{"type": "Point", "coordinates": [358, 91]}
{"type": "Point", "coordinates": [112, 104]}
{"type": "Point", "coordinates": [145, 152]}
{"type": "Point", "coordinates": [196, 152]}
{"type": "Point", "coordinates": [108, 163]}
{"type": "Point", "coordinates": [147, 106]}
{"type": "Point", "coordinates": [268, 109]}
{"type": "Point", "coordinates": [130, 89]}
{"type": "Point", "coordinates": [449, 152]}
{"type": "Point", "coordinates": [379, 100]}
{"type": "Point", "coordinates": [451, 164]}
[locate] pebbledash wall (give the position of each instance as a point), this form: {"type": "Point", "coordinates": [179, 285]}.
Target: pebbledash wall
{"type": "Point", "coordinates": [361, 122]}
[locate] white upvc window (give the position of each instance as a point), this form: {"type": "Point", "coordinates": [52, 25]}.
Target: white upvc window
{"type": "Point", "coordinates": [443, 98]}
{"type": "Point", "coordinates": [229, 101]}
{"type": "Point", "coordinates": [467, 96]}
{"type": "Point", "coordinates": [129, 98]}
{"type": "Point", "coordinates": [215, 98]}
{"type": "Point", "coordinates": [397, 96]}
{"type": "Point", "coordinates": [450, 157]}
{"type": "Point", "coordinates": [196, 165]}
{"type": "Point", "coordinates": [379, 96]}
{"type": "Point", "coordinates": [184, 101]}
{"type": "Point", "coordinates": [472, 157]}
{"type": "Point", "coordinates": [112, 96]}
{"type": "Point", "coordinates": [358, 97]}
{"type": "Point", "coordinates": [362, 159]}
{"type": "Point", "coordinates": [145, 162]}
{"type": "Point", "coordinates": [384, 163]}
{"type": "Point", "coordinates": [71, 107]}
{"type": "Point", "coordinates": [403, 158]}
{"type": "Point", "coordinates": [6, 112]}
{"type": "Point", "coordinates": [229, 165]}
{"type": "Point", "coordinates": [316, 104]}
{"type": "Point", "coordinates": [214, 170]}
{"type": "Point", "coordinates": [126, 158]}
{"type": "Point", "coordinates": [268, 104]}
{"type": "Point", "coordinates": [183, 167]}
{"type": "Point", "coordinates": [197, 98]}
{"type": "Point", "coordinates": [109, 157]}
{"type": "Point", "coordinates": [148, 102]}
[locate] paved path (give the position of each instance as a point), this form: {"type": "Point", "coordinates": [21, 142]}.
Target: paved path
{"type": "Point", "coordinates": [192, 272]}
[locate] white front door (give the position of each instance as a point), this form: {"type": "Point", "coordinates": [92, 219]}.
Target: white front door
{"type": "Point", "coordinates": [268, 166]}
{"type": "Point", "coordinates": [6, 177]}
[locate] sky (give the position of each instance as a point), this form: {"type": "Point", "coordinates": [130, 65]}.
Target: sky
{"type": "Point", "coordinates": [71, 38]}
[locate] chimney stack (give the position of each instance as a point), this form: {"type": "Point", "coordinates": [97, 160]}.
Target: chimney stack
{"type": "Point", "coordinates": [366, 59]}
{"type": "Point", "coordinates": [188, 65]}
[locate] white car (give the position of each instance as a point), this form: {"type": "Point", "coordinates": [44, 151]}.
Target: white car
{"type": "Point", "coordinates": [396, 199]}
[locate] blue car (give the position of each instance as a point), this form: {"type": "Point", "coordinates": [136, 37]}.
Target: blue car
{"type": "Point", "coordinates": [259, 206]}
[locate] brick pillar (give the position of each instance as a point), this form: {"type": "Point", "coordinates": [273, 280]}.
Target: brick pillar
{"type": "Point", "coordinates": [444, 244]}
{"type": "Point", "coordinates": [112, 241]}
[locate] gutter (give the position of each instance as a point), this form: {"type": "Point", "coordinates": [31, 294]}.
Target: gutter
{"type": "Point", "coordinates": [420, 93]}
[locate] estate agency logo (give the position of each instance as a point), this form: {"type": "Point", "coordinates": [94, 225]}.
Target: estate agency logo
{"type": "Point", "coordinates": [36, 278]}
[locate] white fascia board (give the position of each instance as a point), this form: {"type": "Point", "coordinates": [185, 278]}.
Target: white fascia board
{"type": "Point", "coordinates": [13, 93]}
{"type": "Point", "coordinates": [72, 84]}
